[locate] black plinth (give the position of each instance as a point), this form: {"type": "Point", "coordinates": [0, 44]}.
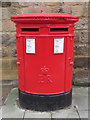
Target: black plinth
{"type": "Point", "coordinates": [41, 102]}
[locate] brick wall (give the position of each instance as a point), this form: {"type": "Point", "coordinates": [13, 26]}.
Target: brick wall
{"type": "Point", "coordinates": [80, 72]}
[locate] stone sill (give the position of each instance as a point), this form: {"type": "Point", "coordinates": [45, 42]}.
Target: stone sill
{"type": "Point", "coordinates": [15, 82]}
{"type": "Point", "coordinates": [81, 84]}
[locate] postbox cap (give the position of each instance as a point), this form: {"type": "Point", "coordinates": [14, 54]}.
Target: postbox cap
{"type": "Point", "coordinates": [44, 17]}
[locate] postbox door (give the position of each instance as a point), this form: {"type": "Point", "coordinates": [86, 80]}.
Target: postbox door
{"type": "Point", "coordinates": [69, 63]}
{"type": "Point", "coordinates": [20, 62]}
{"type": "Point", "coordinates": [44, 65]}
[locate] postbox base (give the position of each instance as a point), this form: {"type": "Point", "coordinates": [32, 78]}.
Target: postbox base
{"type": "Point", "coordinates": [49, 102]}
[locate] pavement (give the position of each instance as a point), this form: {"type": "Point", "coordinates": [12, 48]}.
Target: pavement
{"type": "Point", "coordinates": [78, 110]}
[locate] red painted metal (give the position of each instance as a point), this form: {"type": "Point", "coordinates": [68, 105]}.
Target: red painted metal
{"type": "Point", "coordinates": [45, 72]}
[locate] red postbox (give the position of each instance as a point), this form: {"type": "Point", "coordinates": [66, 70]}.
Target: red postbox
{"type": "Point", "coordinates": [45, 59]}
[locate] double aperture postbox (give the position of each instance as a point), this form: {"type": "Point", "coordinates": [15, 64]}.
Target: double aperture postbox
{"type": "Point", "coordinates": [45, 59]}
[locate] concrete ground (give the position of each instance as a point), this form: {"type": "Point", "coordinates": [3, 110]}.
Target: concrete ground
{"type": "Point", "coordinates": [79, 108]}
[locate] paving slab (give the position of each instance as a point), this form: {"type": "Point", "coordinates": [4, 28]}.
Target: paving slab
{"type": "Point", "coordinates": [37, 119]}
{"type": "Point", "coordinates": [5, 90]}
{"type": "Point", "coordinates": [79, 108]}
{"type": "Point", "coordinates": [80, 91]}
{"type": "Point", "coordinates": [11, 109]}
{"type": "Point", "coordinates": [0, 115]}
{"type": "Point", "coordinates": [36, 114]}
{"type": "Point", "coordinates": [83, 114]}
{"type": "Point", "coordinates": [80, 98]}
{"type": "Point", "coordinates": [89, 114]}
{"type": "Point", "coordinates": [66, 113]}
{"type": "Point", "coordinates": [1, 96]}
{"type": "Point", "coordinates": [89, 99]}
